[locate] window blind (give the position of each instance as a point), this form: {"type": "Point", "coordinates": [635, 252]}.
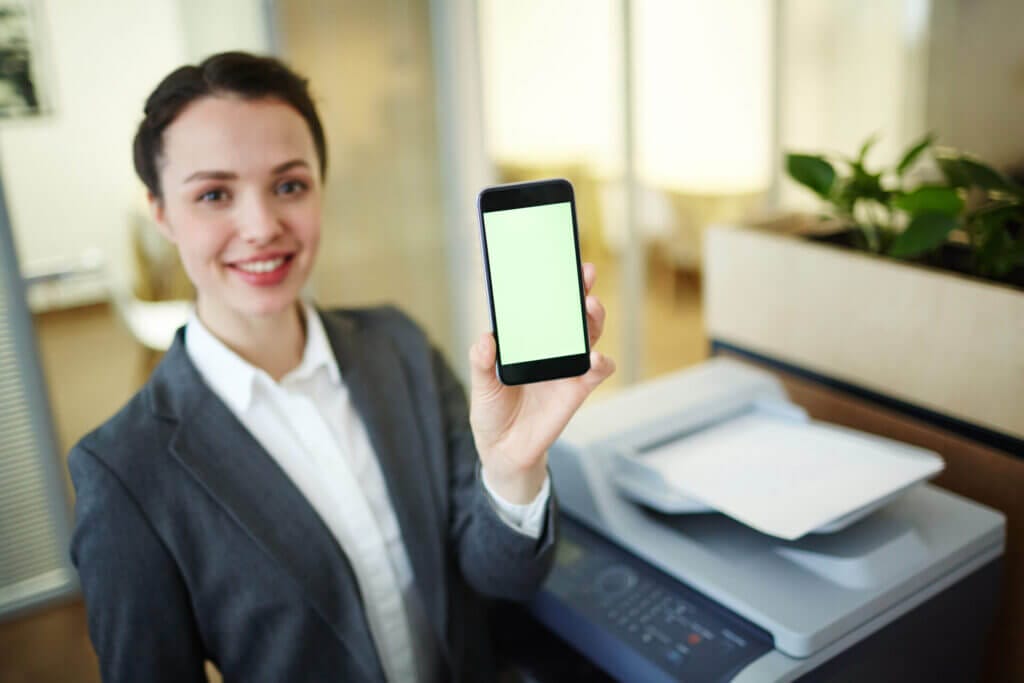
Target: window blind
{"type": "Point", "coordinates": [34, 514]}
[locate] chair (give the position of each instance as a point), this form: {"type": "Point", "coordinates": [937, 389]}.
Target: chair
{"type": "Point", "coordinates": [153, 296]}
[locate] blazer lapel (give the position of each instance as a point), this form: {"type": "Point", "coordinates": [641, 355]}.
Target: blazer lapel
{"type": "Point", "coordinates": [238, 472]}
{"type": "Point", "coordinates": [370, 366]}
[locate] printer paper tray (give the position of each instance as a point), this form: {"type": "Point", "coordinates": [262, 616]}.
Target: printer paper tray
{"type": "Point", "coordinates": [773, 469]}
{"type": "Point", "coordinates": [680, 504]}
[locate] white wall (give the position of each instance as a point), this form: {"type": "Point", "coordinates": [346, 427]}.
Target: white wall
{"type": "Point", "coordinates": [211, 27]}
{"type": "Point", "coordinates": [851, 69]}
{"type": "Point", "coordinates": [552, 88]}
{"type": "Point", "coordinates": [976, 78]}
{"type": "Point", "coordinates": [551, 77]}
{"type": "Point", "coordinates": [68, 176]}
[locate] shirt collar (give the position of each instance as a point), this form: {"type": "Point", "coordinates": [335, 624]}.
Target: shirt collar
{"type": "Point", "coordinates": [318, 353]}
{"type": "Point", "coordinates": [232, 378]}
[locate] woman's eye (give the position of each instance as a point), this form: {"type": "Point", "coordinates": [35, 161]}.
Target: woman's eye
{"type": "Point", "coordinates": [213, 196]}
{"type": "Point", "coordinates": [291, 187]}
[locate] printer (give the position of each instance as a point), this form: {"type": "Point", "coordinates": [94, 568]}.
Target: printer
{"type": "Point", "coordinates": [905, 589]}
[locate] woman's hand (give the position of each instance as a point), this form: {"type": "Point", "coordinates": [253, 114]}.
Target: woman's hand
{"type": "Point", "coordinates": [514, 425]}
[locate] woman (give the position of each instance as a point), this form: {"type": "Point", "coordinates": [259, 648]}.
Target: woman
{"type": "Point", "coordinates": [300, 495]}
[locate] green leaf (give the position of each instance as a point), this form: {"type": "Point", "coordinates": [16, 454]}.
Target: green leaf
{"type": "Point", "coordinates": [867, 185]}
{"type": "Point", "coordinates": [925, 232]}
{"type": "Point", "coordinates": [996, 215]}
{"type": "Point", "coordinates": [996, 257]}
{"type": "Point", "coordinates": [931, 199]}
{"type": "Point", "coordinates": [966, 172]}
{"type": "Point", "coordinates": [1006, 208]}
{"type": "Point", "coordinates": [914, 152]}
{"type": "Point", "coordinates": [996, 253]}
{"type": "Point", "coordinates": [955, 174]}
{"type": "Point", "coordinates": [1017, 253]}
{"type": "Point", "coordinates": [866, 147]}
{"type": "Point", "coordinates": [984, 176]}
{"type": "Point", "coordinates": [812, 172]}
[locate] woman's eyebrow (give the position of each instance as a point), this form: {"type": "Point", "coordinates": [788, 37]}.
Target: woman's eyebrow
{"type": "Point", "coordinates": [288, 165]}
{"type": "Point", "coordinates": [229, 175]}
{"type": "Point", "coordinates": [211, 175]}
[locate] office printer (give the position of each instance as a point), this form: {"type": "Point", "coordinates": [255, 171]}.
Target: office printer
{"type": "Point", "coordinates": [905, 592]}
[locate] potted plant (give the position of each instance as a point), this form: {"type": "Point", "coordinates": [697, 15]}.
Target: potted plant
{"type": "Point", "coordinates": [910, 289]}
{"type": "Point", "coordinates": [968, 219]}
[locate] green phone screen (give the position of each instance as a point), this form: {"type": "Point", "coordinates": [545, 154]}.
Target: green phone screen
{"type": "Point", "coordinates": [534, 282]}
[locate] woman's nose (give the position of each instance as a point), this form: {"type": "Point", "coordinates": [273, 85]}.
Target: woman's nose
{"type": "Point", "coordinates": [259, 222]}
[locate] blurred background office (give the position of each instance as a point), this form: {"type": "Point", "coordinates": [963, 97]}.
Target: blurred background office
{"type": "Point", "coordinates": [667, 115]}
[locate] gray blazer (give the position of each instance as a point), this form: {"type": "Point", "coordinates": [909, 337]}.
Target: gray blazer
{"type": "Point", "coordinates": [192, 544]}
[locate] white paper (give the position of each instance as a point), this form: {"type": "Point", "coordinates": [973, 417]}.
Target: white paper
{"type": "Point", "coordinates": [786, 478]}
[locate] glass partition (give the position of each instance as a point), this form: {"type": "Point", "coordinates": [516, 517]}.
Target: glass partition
{"type": "Point", "coordinates": [370, 65]}
{"type": "Point", "coordinates": [683, 102]}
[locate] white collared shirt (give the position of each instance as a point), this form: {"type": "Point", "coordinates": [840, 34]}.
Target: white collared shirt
{"type": "Point", "coordinates": [307, 423]}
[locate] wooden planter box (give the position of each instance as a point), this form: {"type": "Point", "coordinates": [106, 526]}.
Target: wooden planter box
{"type": "Point", "coordinates": [949, 345]}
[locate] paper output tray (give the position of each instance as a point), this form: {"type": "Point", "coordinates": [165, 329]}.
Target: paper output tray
{"type": "Point", "coordinates": [639, 482]}
{"type": "Point", "coordinates": [670, 502]}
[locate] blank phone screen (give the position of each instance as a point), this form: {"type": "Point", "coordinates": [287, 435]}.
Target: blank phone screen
{"type": "Point", "coordinates": [531, 254]}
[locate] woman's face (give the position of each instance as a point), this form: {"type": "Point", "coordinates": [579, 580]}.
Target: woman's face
{"type": "Point", "coordinates": [242, 201]}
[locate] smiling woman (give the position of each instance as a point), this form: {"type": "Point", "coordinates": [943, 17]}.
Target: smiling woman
{"type": "Point", "coordinates": [233, 160]}
{"type": "Point", "coordinates": [240, 196]}
{"type": "Point", "coordinates": [300, 494]}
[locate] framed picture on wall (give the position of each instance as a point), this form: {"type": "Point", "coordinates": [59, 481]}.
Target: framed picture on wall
{"type": "Point", "coordinates": [22, 90]}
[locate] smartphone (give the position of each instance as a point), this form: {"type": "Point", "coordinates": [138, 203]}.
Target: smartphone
{"type": "Point", "coordinates": [531, 253]}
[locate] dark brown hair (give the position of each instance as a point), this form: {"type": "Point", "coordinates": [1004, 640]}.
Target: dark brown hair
{"type": "Point", "coordinates": [228, 73]}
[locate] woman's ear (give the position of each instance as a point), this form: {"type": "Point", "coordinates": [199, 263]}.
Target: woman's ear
{"type": "Point", "coordinates": [159, 213]}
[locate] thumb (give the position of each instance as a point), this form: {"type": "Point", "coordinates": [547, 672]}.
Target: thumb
{"type": "Point", "coordinates": [482, 356]}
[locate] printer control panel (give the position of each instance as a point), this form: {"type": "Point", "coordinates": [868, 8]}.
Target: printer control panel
{"type": "Point", "coordinates": [637, 622]}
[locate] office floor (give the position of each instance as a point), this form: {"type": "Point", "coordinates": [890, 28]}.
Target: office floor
{"type": "Point", "coordinates": [93, 365]}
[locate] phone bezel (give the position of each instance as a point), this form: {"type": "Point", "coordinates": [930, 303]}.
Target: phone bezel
{"type": "Point", "coordinates": [518, 196]}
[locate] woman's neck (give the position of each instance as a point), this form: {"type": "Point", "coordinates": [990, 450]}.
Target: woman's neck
{"type": "Point", "coordinates": [272, 343]}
